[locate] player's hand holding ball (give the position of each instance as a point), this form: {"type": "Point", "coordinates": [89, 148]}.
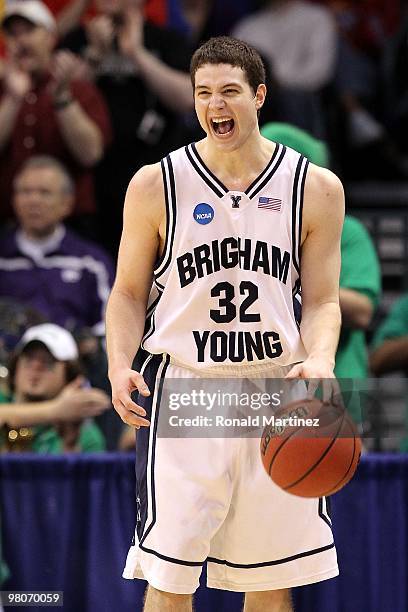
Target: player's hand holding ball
{"type": "Point", "coordinates": [318, 453]}
{"type": "Point", "coordinates": [318, 371]}
{"type": "Point", "coordinates": [315, 452]}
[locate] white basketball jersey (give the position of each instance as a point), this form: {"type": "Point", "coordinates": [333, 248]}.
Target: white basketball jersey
{"type": "Point", "coordinates": [226, 290]}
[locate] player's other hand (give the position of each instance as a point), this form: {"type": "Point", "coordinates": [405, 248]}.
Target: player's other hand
{"type": "Point", "coordinates": [123, 383]}
{"type": "Point", "coordinates": [313, 367]}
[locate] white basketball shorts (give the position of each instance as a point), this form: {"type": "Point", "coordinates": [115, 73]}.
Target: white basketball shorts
{"type": "Point", "coordinates": [209, 500]}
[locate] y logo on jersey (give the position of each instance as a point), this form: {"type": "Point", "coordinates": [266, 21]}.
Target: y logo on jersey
{"type": "Point", "coordinates": [236, 200]}
{"type": "Point", "coordinates": [203, 213]}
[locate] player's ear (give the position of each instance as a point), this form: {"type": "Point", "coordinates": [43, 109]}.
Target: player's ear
{"type": "Point", "coordinates": [260, 96]}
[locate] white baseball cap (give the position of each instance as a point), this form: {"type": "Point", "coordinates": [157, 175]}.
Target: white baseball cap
{"type": "Point", "coordinates": [56, 339]}
{"type": "Point", "coordinates": [33, 10]}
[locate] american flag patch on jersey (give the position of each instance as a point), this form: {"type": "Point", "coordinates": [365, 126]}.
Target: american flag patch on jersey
{"type": "Point", "coordinates": [270, 203]}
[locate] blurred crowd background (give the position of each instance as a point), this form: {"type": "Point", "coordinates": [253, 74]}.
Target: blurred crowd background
{"type": "Point", "coordinates": [91, 90]}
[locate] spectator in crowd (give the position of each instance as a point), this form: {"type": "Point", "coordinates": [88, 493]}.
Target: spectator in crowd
{"type": "Point", "coordinates": [360, 277]}
{"type": "Point", "coordinates": [202, 19]}
{"type": "Point", "coordinates": [390, 346]}
{"type": "Point", "coordinates": [44, 264]}
{"type": "Point", "coordinates": [197, 18]}
{"type": "Point", "coordinates": [56, 273]}
{"type": "Point", "coordinates": [45, 372]}
{"type": "Point", "coordinates": [299, 41]}
{"type": "Point", "coordinates": [360, 289]}
{"type": "Point", "coordinates": [364, 85]}
{"type": "Point", "coordinates": [15, 318]}
{"type": "Point", "coordinates": [43, 108]}
{"type": "Point", "coordinates": [142, 70]}
{"type": "Point", "coordinates": [69, 14]}
{"type": "Point", "coordinates": [390, 342]}
{"type": "Point", "coordinates": [72, 405]}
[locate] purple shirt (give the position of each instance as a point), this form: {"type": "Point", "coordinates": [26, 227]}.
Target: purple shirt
{"type": "Point", "coordinates": [67, 278]}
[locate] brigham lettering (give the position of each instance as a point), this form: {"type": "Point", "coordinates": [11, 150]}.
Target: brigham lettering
{"type": "Point", "coordinates": [245, 254]}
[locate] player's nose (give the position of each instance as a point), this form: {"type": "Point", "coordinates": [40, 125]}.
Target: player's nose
{"type": "Point", "coordinates": [217, 101]}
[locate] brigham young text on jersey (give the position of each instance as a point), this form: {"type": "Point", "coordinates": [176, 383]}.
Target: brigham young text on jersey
{"type": "Point", "coordinates": [227, 287]}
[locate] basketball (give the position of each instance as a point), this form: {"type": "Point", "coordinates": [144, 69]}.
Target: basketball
{"type": "Point", "coordinates": [311, 449]}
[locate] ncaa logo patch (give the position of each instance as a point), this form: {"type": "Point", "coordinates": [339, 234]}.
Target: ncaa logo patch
{"type": "Point", "coordinates": [203, 213]}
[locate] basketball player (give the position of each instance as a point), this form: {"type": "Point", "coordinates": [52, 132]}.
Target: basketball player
{"type": "Point", "coordinates": [229, 229]}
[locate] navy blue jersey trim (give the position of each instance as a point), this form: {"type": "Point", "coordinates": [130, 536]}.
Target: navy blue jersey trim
{"type": "Point", "coordinates": [166, 199]}
{"type": "Point", "coordinates": [171, 213]}
{"type": "Point", "coordinates": [296, 287]}
{"type": "Point", "coordinates": [206, 168]}
{"type": "Point", "coordinates": [297, 311]}
{"type": "Point", "coordinates": [153, 454]}
{"type": "Point", "coordinates": [150, 324]}
{"type": "Point", "coordinates": [149, 364]}
{"type": "Point", "coordinates": [159, 286]}
{"type": "Point", "coordinates": [328, 506]}
{"type": "Point", "coordinates": [307, 553]}
{"type": "Point", "coordinates": [270, 173]}
{"type": "Point", "coordinates": [302, 193]}
{"type": "Point", "coordinates": [265, 170]}
{"type": "Point", "coordinates": [171, 559]}
{"type": "Point", "coordinates": [218, 187]}
{"type": "Point", "coordinates": [153, 305]}
{"type": "Point", "coordinates": [295, 211]}
{"type": "Point", "coordinates": [321, 513]}
{"type": "Point", "coordinates": [297, 303]}
{"type": "Point", "coordinates": [197, 168]}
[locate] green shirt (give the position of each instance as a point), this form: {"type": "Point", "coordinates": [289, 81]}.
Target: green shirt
{"type": "Point", "coordinates": [360, 271]}
{"type": "Point", "coordinates": [395, 325]}
{"type": "Point", "coordinates": [47, 440]}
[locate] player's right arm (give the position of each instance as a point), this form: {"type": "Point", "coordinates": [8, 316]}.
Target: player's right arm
{"type": "Point", "coordinates": [143, 222]}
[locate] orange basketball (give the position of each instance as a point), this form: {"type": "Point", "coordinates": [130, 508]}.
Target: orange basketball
{"type": "Point", "coordinates": [311, 449]}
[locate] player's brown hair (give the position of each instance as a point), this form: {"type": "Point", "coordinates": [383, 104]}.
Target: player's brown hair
{"type": "Point", "coordinates": [228, 50]}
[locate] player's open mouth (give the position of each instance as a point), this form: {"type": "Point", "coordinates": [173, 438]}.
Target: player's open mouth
{"type": "Point", "coordinates": [222, 126]}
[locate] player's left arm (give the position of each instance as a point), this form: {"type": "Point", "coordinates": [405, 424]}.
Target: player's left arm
{"type": "Point", "coordinates": [323, 215]}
